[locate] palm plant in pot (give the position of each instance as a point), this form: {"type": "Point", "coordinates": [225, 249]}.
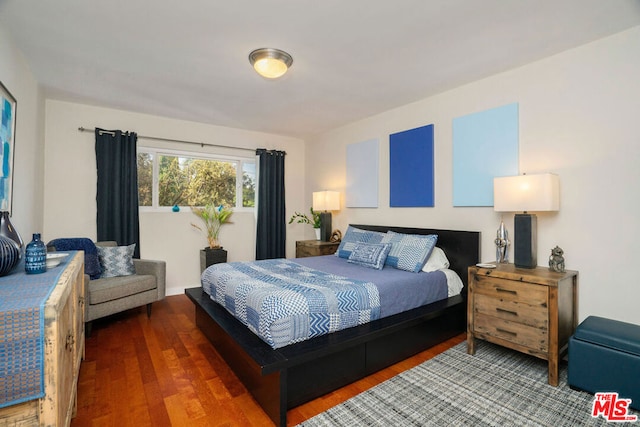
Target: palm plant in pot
{"type": "Point", "coordinates": [315, 221]}
{"type": "Point", "coordinates": [213, 218]}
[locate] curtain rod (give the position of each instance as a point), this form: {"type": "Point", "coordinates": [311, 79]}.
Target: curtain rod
{"type": "Point", "coordinates": [156, 138]}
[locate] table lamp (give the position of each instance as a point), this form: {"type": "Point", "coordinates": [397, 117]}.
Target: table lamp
{"type": "Point", "coordinates": [325, 202]}
{"type": "Point", "coordinates": [526, 193]}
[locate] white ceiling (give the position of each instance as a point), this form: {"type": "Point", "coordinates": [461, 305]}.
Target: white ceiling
{"type": "Point", "coordinates": [352, 58]}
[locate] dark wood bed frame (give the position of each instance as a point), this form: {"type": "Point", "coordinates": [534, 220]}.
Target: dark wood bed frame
{"type": "Point", "coordinates": [284, 378]}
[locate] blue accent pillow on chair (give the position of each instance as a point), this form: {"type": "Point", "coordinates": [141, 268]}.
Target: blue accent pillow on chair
{"type": "Point", "coordinates": [91, 261]}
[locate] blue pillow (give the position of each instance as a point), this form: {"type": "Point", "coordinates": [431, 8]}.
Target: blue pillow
{"type": "Point", "coordinates": [355, 235]}
{"type": "Point", "coordinates": [409, 251]}
{"type": "Point", "coordinates": [370, 255]}
{"type": "Point", "coordinates": [91, 262]}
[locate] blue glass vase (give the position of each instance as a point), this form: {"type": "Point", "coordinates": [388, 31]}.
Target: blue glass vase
{"type": "Point", "coordinates": [35, 256]}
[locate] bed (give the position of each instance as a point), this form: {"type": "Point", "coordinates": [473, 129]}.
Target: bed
{"type": "Point", "coordinates": [285, 377]}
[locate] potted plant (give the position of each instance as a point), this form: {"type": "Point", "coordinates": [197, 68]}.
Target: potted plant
{"type": "Point", "coordinates": [213, 217]}
{"type": "Point", "coordinates": [315, 221]}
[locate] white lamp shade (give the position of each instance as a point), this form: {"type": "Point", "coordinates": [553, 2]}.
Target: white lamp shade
{"type": "Point", "coordinates": [326, 201]}
{"type": "Point", "coordinates": [526, 193]}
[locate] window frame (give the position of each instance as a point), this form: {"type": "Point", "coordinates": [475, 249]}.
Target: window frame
{"type": "Point", "coordinates": [155, 190]}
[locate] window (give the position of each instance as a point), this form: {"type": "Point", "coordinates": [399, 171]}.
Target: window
{"type": "Point", "coordinates": [167, 178]}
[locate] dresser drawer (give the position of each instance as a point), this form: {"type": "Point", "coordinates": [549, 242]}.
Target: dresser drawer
{"type": "Point", "coordinates": [509, 290]}
{"type": "Point", "coordinates": [305, 248]}
{"type": "Point", "coordinates": [515, 311]}
{"type": "Point", "coordinates": [517, 333]}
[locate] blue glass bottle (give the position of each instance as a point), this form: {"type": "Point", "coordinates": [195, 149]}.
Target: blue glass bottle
{"type": "Point", "coordinates": [35, 255]}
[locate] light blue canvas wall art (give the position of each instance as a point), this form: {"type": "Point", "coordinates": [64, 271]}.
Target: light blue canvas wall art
{"type": "Point", "coordinates": [485, 145]}
{"type": "Point", "coordinates": [362, 174]}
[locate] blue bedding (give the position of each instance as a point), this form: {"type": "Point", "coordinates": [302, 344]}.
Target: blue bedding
{"type": "Point", "coordinates": [288, 301]}
{"type": "Point", "coordinates": [284, 302]}
{"type": "Point", "coordinates": [399, 290]}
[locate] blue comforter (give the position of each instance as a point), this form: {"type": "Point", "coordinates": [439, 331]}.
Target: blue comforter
{"type": "Point", "coordinates": [284, 302]}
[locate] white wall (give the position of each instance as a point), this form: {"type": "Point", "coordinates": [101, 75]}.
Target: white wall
{"type": "Point", "coordinates": [27, 211]}
{"type": "Point", "coordinates": [70, 185]}
{"type": "Point", "coordinates": [578, 114]}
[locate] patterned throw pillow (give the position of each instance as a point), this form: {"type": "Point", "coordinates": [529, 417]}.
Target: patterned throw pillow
{"type": "Point", "coordinates": [117, 260]}
{"type": "Point", "coordinates": [355, 235]}
{"type": "Point", "coordinates": [370, 255]}
{"type": "Point", "coordinates": [409, 251]}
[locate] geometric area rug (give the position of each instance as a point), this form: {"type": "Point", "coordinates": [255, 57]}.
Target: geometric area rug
{"type": "Point", "coordinates": [495, 387]}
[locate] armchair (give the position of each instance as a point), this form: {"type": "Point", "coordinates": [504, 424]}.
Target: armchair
{"type": "Point", "coordinates": [110, 295]}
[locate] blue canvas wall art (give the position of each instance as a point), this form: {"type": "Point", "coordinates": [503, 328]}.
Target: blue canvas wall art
{"type": "Point", "coordinates": [411, 168]}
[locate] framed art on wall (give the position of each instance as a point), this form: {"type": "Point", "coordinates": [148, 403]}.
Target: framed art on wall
{"type": "Point", "coordinates": [7, 139]}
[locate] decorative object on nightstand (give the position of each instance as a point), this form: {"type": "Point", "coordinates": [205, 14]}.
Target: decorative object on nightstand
{"type": "Point", "coordinates": [305, 248]}
{"type": "Point", "coordinates": [325, 202]}
{"type": "Point", "coordinates": [336, 236]}
{"type": "Point", "coordinates": [529, 310]}
{"type": "Point", "coordinates": [502, 244]}
{"type": "Point", "coordinates": [556, 260]}
{"type": "Point", "coordinates": [523, 193]}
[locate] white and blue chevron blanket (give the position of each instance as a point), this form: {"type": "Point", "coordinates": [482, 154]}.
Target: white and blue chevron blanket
{"type": "Point", "coordinates": [284, 302]}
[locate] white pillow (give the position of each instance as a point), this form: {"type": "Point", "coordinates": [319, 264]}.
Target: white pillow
{"type": "Point", "coordinates": [437, 261]}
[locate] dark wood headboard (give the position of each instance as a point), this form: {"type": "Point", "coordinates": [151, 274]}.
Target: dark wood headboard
{"type": "Point", "coordinates": [461, 247]}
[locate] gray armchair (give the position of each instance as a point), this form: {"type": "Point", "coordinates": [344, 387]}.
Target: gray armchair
{"type": "Point", "coordinates": [112, 295]}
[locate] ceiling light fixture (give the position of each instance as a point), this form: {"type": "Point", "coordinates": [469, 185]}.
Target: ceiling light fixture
{"type": "Point", "coordinates": [270, 63]}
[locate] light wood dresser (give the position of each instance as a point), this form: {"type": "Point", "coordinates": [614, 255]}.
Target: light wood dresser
{"type": "Point", "coordinates": [529, 310]}
{"type": "Point", "coordinates": [63, 353]}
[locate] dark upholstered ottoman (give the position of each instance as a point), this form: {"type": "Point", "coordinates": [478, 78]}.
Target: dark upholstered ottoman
{"type": "Point", "coordinates": [604, 356]}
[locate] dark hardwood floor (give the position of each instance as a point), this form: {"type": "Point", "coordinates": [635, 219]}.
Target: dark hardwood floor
{"type": "Point", "coordinates": [163, 372]}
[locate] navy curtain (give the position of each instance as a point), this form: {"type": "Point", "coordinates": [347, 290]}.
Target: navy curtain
{"type": "Point", "coordinates": [117, 193]}
{"type": "Point", "coordinates": [271, 228]}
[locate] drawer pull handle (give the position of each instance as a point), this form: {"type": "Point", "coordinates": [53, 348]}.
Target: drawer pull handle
{"type": "Point", "coordinates": [508, 291]}
{"type": "Point", "coordinates": [502, 310]}
{"type": "Point", "coordinates": [70, 341]}
{"type": "Point", "coordinates": [504, 331]}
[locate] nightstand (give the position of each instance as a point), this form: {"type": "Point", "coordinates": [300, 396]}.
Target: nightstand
{"type": "Point", "coordinates": [529, 310]}
{"type": "Point", "coordinates": [305, 248]}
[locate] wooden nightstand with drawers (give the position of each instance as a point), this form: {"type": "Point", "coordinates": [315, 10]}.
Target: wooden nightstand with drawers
{"type": "Point", "coordinates": [305, 248]}
{"type": "Point", "coordinates": [529, 310]}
